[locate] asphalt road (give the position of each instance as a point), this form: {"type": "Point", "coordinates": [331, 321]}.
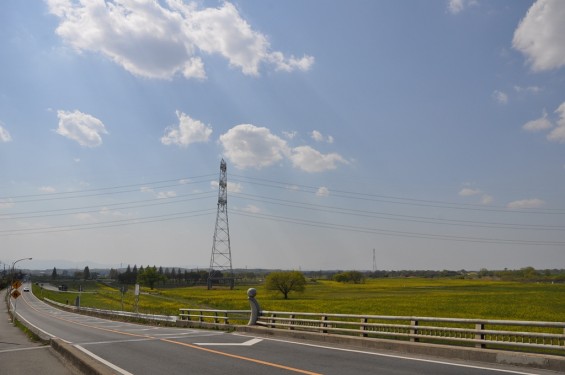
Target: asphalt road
{"type": "Point", "coordinates": [139, 349]}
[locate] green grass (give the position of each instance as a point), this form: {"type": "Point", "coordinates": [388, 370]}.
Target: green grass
{"type": "Point", "coordinates": [400, 297]}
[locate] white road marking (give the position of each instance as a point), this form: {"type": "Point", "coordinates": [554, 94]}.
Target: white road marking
{"type": "Point", "coordinates": [109, 364]}
{"type": "Point", "coordinates": [36, 327]}
{"type": "Point", "coordinates": [399, 357]}
{"type": "Point", "coordinates": [246, 343]}
{"type": "Point", "coordinates": [22, 349]}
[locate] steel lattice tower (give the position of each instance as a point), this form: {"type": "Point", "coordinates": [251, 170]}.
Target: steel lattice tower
{"type": "Point", "coordinates": [221, 271]}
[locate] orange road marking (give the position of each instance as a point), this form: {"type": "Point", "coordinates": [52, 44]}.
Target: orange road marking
{"type": "Point", "coordinates": [258, 361]}
{"type": "Point", "coordinates": [242, 358]}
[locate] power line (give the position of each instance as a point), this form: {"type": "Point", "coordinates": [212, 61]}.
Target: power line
{"type": "Point", "coordinates": [106, 224]}
{"type": "Point", "coordinates": [397, 200]}
{"type": "Point", "coordinates": [396, 217]}
{"type": "Point", "coordinates": [403, 234]}
{"type": "Point", "coordinates": [124, 205]}
{"type": "Point", "coordinates": [101, 191]}
{"type": "Point", "coordinates": [271, 200]}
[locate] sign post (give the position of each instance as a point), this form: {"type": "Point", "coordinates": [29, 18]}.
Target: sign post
{"type": "Point", "coordinates": [136, 297]}
{"type": "Point", "coordinates": [15, 294]}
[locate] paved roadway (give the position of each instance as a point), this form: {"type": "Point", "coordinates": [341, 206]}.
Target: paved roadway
{"type": "Point", "coordinates": [139, 349]}
{"type": "Point", "coordinates": [19, 355]}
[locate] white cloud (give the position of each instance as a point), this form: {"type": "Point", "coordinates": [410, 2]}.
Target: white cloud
{"type": "Point", "coordinates": [468, 192]}
{"type": "Point", "coordinates": [6, 203]}
{"type": "Point", "coordinates": [323, 192]}
{"type": "Point", "coordinates": [526, 203]}
{"type": "Point", "coordinates": [529, 89]}
{"type": "Point", "coordinates": [539, 36]}
{"type": "Point", "coordinates": [558, 134]}
{"type": "Point", "coordinates": [500, 97]}
{"type": "Point", "coordinates": [539, 124]}
{"type": "Point", "coordinates": [83, 216]}
{"type": "Point", "coordinates": [311, 160]}
{"type": "Point", "coordinates": [4, 135]}
{"type": "Point", "coordinates": [166, 194]}
{"type": "Point", "coordinates": [81, 127]}
{"type": "Point", "coordinates": [47, 189]}
{"type": "Point", "coordinates": [188, 131]}
{"type": "Point", "coordinates": [457, 6]}
{"type": "Point", "coordinates": [487, 199]}
{"type": "Point", "coordinates": [249, 146]}
{"type": "Point", "coordinates": [319, 137]}
{"type": "Point", "coordinates": [290, 135]}
{"type": "Point", "coordinates": [105, 211]}
{"type": "Point", "coordinates": [157, 39]}
{"type": "Point", "coordinates": [233, 187]}
{"type": "Point", "coordinates": [160, 194]}
{"type": "Point", "coordinates": [252, 209]}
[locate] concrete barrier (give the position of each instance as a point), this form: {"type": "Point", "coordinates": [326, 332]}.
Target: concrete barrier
{"type": "Point", "coordinates": [80, 360]}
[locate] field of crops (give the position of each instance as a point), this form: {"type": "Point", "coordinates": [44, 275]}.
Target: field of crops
{"type": "Point", "coordinates": [483, 299]}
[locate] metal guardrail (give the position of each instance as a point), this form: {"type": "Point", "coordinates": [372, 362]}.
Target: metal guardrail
{"type": "Point", "coordinates": [150, 317]}
{"type": "Point", "coordinates": [477, 332]}
{"type": "Point", "coordinates": [214, 317]}
{"type": "Point", "coordinates": [507, 333]}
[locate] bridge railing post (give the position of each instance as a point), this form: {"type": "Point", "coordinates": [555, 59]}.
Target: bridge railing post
{"type": "Point", "coordinates": [323, 324]}
{"type": "Point", "coordinates": [363, 327]}
{"type": "Point", "coordinates": [414, 330]}
{"type": "Point", "coordinates": [479, 335]}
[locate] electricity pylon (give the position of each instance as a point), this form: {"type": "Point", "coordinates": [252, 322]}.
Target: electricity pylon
{"type": "Point", "coordinates": [221, 271]}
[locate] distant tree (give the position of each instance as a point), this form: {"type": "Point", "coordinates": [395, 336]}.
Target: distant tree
{"type": "Point", "coordinates": [286, 282]}
{"type": "Point", "coordinates": [340, 277]}
{"type": "Point", "coordinates": [355, 277]}
{"type": "Point", "coordinates": [528, 273]}
{"type": "Point", "coordinates": [114, 274]}
{"type": "Point", "coordinates": [126, 277]}
{"type": "Point", "coordinates": [54, 273]}
{"type": "Point", "coordinates": [134, 273]}
{"type": "Point", "coordinates": [86, 273]}
{"type": "Point", "coordinates": [149, 277]}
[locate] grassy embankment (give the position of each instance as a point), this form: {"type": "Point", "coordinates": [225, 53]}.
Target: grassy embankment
{"type": "Point", "coordinates": [400, 297]}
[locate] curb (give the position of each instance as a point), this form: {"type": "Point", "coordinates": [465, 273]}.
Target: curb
{"type": "Point", "coordinates": [82, 361]}
{"type": "Point", "coordinates": [493, 356]}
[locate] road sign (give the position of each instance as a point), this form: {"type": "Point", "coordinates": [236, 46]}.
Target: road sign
{"type": "Point", "coordinates": [16, 284]}
{"type": "Point", "coordinates": [16, 293]}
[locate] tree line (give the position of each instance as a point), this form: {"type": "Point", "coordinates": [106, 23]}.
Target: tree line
{"type": "Point", "coordinates": [170, 276]}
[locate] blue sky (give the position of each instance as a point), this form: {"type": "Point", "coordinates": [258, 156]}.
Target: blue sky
{"type": "Point", "coordinates": [432, 132]}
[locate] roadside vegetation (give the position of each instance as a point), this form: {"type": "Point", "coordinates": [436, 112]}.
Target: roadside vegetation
{"type": "Point", "coordinates": [485, 298]}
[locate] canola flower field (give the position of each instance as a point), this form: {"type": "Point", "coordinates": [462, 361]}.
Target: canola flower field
{"type": "Point", "coordinates": [453, 298]}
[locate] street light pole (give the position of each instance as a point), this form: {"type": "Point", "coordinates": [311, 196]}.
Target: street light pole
{"type": "Point", "coordinates": [10, 292]}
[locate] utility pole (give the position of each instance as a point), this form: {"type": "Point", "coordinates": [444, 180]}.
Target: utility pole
{"type": "Point", "coordinates": [221, 271]}
{"type": "Point", "coordinates": [374, 261]}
